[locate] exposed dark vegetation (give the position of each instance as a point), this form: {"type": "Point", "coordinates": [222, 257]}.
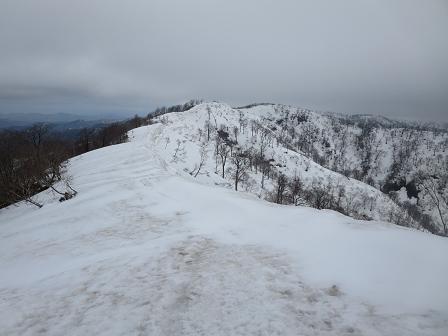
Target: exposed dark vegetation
{"type": "Point", "coordinates": [175, 108]}
{"type": "Point", "coordinates": [34, 159]}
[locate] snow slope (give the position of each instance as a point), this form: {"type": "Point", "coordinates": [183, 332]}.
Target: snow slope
{"type": "Point", "coordinates": [144, 249]}
{"type": "Point", "coordinates": [179, 143]}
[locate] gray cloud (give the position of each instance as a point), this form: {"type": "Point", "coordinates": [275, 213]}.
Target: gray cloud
{"type": "Point", "coordinates": [356, 56]}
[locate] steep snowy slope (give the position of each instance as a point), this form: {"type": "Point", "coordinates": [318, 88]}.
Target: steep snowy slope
{"type": "Point", "coordinates": [363, 167]}
{"type": "Point", "coordinates": [144, 249]}
{"type": "Point", "coordinates": [399, 158]}
{"type": "Point", "coordinates": [185, 135]}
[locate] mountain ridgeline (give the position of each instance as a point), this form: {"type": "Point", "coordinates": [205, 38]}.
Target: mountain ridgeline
{"type": "Point", "coordinates": [366, 167]}
{"type": "Point", "coordinates": [363, 166]}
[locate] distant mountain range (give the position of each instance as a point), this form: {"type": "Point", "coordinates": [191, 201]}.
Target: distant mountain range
{"type": "Point", "coordinates": [65, 125]}
{"type": "Point", "coordinates": [58, 122]}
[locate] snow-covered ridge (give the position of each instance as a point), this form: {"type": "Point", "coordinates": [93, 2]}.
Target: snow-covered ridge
{"type": "Point", "coordinates": [145, 249]}
{"type": "Point", "coordinates": [185, 135]}
{"type": "Point", "coordinates": [355, 160]}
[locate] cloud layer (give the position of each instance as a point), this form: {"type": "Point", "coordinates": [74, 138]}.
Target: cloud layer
{"type": "Point", "coordinates": [356, 56]}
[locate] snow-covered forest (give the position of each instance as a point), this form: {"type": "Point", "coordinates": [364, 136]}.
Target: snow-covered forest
{"type": "Point", "coordinates": [366, 167]}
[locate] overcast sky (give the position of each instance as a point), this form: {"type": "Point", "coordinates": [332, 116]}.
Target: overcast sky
{"type": "Point", "coordinates": [385, 57]}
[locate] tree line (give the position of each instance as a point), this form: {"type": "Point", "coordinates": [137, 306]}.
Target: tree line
{"type": "Point", "coordinates": [35, 159]}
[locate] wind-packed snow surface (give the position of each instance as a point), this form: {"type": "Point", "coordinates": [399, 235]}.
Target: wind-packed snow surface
{"type": "Point", "coordinates": [144, 249]}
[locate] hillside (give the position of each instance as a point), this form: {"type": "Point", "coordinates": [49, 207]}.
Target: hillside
{"type": "Point", "coordinates": [364, 169]}
{"type": "Point", "coordinates": [147, 248]}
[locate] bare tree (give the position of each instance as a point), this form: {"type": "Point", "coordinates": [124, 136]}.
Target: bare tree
{"type": "Point", "coordinates": [241, 121]}
{"type": "Point", "coordinates": [280, 188]}
{"type": "Point", "coordinates": [37, 134]}
{"type": "Point", "coordinates": [85, 140]}
{"type": "Point", "coordinates": [30, 162]}
{"type": "Point", "coordinates": [264, 140]}
{"type": "Point", "coordinates": [208, 126]}
{"type": "Point", "coordinates": [429, 184]}
{"type": "Point", "coordinates": [223, 151]}
{"type": "Point", "coordinates": [240, 166]}
{"type": "Point", "coordinates": [179, 151]}
{"type": "Point", "coordinates": [295, 190]}
{"type": "Point", "coordinates": [203, 154]}
{"type": "Point", "coordinates": [110, 135]}
{"type": "Point", "coordinates": [265, 168]}
{"type": "Point", "coordinates": [236, 131]}
{"type": "Point", "coordinates": [318, 195]}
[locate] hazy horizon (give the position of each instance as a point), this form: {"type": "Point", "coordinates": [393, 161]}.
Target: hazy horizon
{"type": "Point", "coordinates": [356, 57]}
{"type": "Point", "coordinates": [120, 114]}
